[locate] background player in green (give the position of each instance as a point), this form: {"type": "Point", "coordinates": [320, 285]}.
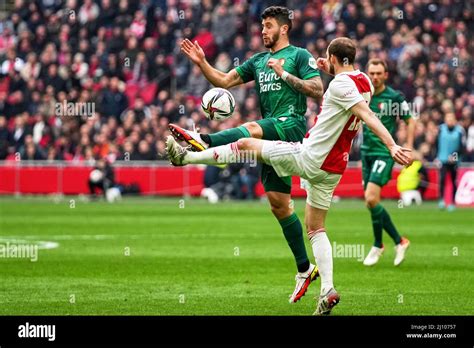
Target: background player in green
{"type": "Point", "coordinates": [284, 76]}
{"type": "Point", "coordinates": [377, 164]}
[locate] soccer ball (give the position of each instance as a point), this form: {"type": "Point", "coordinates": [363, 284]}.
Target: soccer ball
{"type": "Point", "coordinates": [96, 175]}
{"type": "Point", "coordinates": [113, 194]}
{"type": "Point", "coordinates": [218, 104]}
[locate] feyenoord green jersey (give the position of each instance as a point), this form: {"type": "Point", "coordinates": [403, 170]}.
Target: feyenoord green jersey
{"type": "Point", "coordinates": [388, 106]}
{"type": "Point", "coordinates": [277, 98]}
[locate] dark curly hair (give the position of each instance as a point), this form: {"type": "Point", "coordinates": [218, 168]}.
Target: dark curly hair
{"type": "Point", "coordinates": [280, 13]}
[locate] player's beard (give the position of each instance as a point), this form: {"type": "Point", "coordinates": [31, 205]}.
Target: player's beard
{"type": "Point", "coordinates": [377, 84]}
{"type": "Point", "coordinates": [272, 41]}
{"type": "Point", "coordinates": [331, 69]}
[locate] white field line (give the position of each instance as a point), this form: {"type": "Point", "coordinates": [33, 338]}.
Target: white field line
{"type": "Point", "coordinates": [158, 235]}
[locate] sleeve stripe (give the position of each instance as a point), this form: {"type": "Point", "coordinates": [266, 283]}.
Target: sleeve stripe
{"type": "Point", "coordinates": [242, 75]}
{"type": "Point", "coordinates": [239, 71]}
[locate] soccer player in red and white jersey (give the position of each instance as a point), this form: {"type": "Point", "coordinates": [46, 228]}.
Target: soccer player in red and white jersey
{"type": "Point", "coordinates": [322, 157]}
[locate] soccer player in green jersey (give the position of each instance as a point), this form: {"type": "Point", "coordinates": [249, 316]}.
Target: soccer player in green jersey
{"type": "Point", "coordinates": [389, 105]}
{"type": "Point", "coordinates": [284, 76]}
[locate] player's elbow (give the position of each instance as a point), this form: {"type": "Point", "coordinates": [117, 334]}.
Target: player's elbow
{"type": "Point", "coordinates": [362, 115]}
{"type": "Point", "coordinates": [220, 81]}
{"type": "Point", "coordinates": [222, 84]}
{"type": "Point", "coordinates": [316, 93]}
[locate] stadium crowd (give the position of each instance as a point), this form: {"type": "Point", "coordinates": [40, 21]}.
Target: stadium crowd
{"type": "Point", "coordinates": [121, 58]}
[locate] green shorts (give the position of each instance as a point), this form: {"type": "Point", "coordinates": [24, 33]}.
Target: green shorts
{"type": "Point", "coordinates": [291, 129]}
{"type": "Point", "coordinates": [376, 169]}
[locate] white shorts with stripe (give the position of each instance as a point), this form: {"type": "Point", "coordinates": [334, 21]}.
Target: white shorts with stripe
{"type": "Point", "coordinates": [288, 159]}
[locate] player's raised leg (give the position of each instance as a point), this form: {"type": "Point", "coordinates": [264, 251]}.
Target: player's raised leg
{"type": "Point", "coordinates": [200, 141]}
{"type": "Point", "coordinates": [243, 150]}
{"type": "Point", "coordinates": [247, 130]}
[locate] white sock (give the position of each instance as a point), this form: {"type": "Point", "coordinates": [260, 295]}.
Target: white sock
{"type": "Point", "coordinates": [216, 155]}
{"type": "Point", "coordinates": [322, 251]}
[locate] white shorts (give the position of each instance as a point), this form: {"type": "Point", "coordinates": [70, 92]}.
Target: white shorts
{"type": "Point", "coordinates": [287, 160]}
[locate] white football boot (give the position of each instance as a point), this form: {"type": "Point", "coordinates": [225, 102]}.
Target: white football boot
{"type": "Point", "coordinates": [327, 302]}
{"type": "Point", "coordinates": [400, 250]}
{"type": "Point", "coordinates": [373, 256]}
{"type": "Point", "coordinates": [192, 138]}
{"type": "Point", "coordinates": [176, 152]}
{"type": "Point", "coordinates": [302, 282]}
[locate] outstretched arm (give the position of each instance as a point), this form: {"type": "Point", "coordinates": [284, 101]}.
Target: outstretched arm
{"type": "Point", "coordinates": [312, 87]}
{"type": "Point", "coordinates": [399, 154]}
{"type": "Point", "coordinates": [218, 78]}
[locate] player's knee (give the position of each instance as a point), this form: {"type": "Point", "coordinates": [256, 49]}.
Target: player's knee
{"type": "Point", "coordinates": [312, 226]}
{"type": "Point", "coordinates": [254, 129]}
{"type": "Point", "coordinates": [371, 199]}
{"type": "Point", "coordinates": [244, 143]}
{"type": "Point", "coordinates": [280, 210]}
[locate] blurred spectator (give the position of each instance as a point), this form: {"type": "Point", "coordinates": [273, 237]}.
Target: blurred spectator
{"type": "Point", "coordinates": [31, 152]}
{"type": "Point", "coordinates": [138, 26]}
{"type": "Point", "coordinates": [245, 180]}
{"type": "Point", "coordinates": [144, 152]}
{"type": "Point", "coordinates": [197, 83]}
{"type": "Point", "coordinates": [223, 24]}
{"type": "Point", "coordinates": [19, 133]}
{"type": "Point", "coordinates": [4, 135]}
{"type": "Point", "coordinates": [236, 181]}
{"type": "Point", "coordinates": [470, 143]}
{"type": "Point", "coordinates": [88, 12]}
{"type": "Point", "coordinates": [113, 100]}
{"type": "Point", "coordinates": [32, 68]}
{"type": "Point", "coordinates": [53, 79]}
{"type": "Point", "coordinates": [450, 145]}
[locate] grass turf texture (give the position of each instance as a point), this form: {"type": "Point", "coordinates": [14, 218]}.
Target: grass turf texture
{"type": "Point", "coordinates": [225, 259]}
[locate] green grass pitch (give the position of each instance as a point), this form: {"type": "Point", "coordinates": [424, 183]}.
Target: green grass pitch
{"type": "Point", "coordinates": [146, 256]}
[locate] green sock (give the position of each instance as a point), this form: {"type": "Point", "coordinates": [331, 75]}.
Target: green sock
{"type": "Point", "coordinates": [293, 232]}
{"type": "Point", "coordinates": [228, 136]}
{"type": "Point", "coordinates": [390, 227]}
{"type": "Point", "coordinates": [377, 224]}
